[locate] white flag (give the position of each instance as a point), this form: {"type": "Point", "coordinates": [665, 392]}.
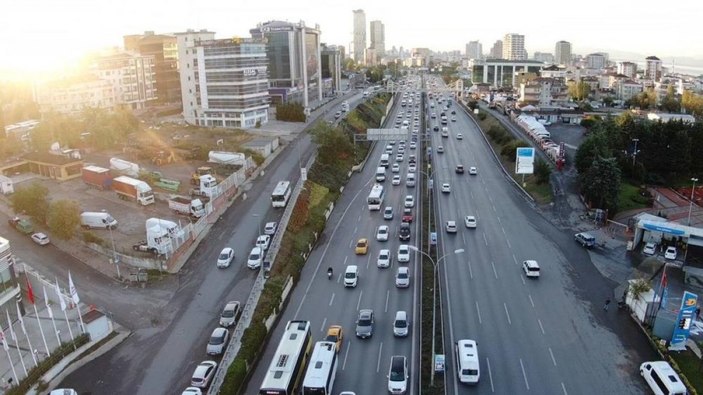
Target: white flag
{"type": "Point", "coordinates": [4, 342]}
{"type": "Point", "coordinates": [19, 315]}
{"type": "Point", "coordinates": [72, 290]}
{"type": "Point", "coordinates": [58, 295]}
{"type": "Point", "coordinates": [9, 324]}
{"type": "Point", "coordinates": [46, 301]}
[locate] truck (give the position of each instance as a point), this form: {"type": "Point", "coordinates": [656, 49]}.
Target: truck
{"type": "Point", "coordinates": [124, 167]}
{"type": "Point", "coordinates": [161, 234]}
{"type": "Point", "coordinates": [97, 177]}
{"type": "Point", "coordinates": [207, 187]}
{"type": "Point", "coordinates": [187, 206]}
{"type": "Point", "coordinates": [128, 188]}
{"type": "Point", "coordinates": [23, 226]}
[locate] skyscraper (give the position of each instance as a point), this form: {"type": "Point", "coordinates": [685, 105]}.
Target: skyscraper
{"type": "Point", "coordinates": [562, 53]}
{"type": "Point", "coordinates": [164, 49]}
{"type": "Point", "coordinates": [378, 38]}
{"type": "Point", "coordinates": [359, 35]}
{"type": "Point", "coordinates": [474, 50]}
{"type": "Point", "coordinates": [514, 47]}
{"type": "Point", "coordinates": [496, 50]}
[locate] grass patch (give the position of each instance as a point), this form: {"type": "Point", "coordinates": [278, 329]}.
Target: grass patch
{"type": "Point", "coordinates": [629, 198]}
{"type": "Point", "coordinates": [691, 367]}
{"type": "Point", "coordinates": [542, 193]}
{"type": "Point", "coordinates": [317, 194]}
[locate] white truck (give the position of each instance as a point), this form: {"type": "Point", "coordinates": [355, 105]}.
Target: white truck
{"type": "Point", "coordinates": [207, 186]}
{"type": "Point", "coordinates": [186, 206]}
{"type": "Point", "coordinates": [128, 188]}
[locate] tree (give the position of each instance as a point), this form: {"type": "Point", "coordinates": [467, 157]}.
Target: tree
{"type": "Point", "coordinates": [64, 218]}
{"type": "Point", "coordinates": [33, 201]}
{"type": "Point", "coordinates": [670, 103]}
{"type": "Point", "coordinates": [593, 147]}
{"type": "Point", "coordinates": [692, 103]}
{"type": "Point", "coordinates": [579, 90]}
{"type": "Point", "coordinates": [601, 183]}
{"type": "Point", "coordinates": [542, 171]}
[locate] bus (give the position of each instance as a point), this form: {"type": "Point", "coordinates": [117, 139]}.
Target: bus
{"type": "Point", "coordinates": [288, 363]}
{"type": "Point", "coordinates": [280, 195]}
{"type": "Point", "coordinates": [322, 370]}
{"type": "Point", "coordinates": [385, 159]}
{"type": "Point", "coordinates": [375, 199]}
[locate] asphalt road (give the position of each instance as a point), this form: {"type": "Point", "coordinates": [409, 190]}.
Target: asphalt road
{"type": "Point", "coordinates": [160, 358]}
{"type": "Point", "coordinates": [546, 335]}
{"type": "Point", "coordinates": [326, 302]}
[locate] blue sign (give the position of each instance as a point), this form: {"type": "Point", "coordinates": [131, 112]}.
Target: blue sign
{"type": "Point", "coordinates": [663, 229]}
{"type": "Point", "coordinates": [682, 326]}
{"type": "Point", "coordinates": [525, 151]}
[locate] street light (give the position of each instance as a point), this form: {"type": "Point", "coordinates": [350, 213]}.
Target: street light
{"type": "Point", "coordinates": [690, 206]}
{"type": "Point", "coordinates": [259, 217]}
{"type": "Point", "coordinates": [634, 153]}
{"type": "Point", "coordinates": [115, 259]}
{"type": "Point", "coordinates": [435, 267]}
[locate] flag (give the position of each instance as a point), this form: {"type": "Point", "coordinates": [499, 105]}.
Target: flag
{"type": "Point", "coordinates": [46, 302]}
{"type": "Point", "coordinates": [19, 315]}
{"type": "Point", "coordinates": [9, 324]}
{"type": "Point", "coordinates": [30, 291]}
{"type": "Point", "coordinates": [4, 342]}
{"type": "Point", "coordinates": [72, 290]}
{"type": "Point", "coordinates": [58, 295]}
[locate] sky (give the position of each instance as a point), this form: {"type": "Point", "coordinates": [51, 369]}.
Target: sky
{"type": "Point", "coordinates": [42, 35]}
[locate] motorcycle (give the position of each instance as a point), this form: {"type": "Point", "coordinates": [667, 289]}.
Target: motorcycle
{"type": "Point", "coordinates": [329, 273]}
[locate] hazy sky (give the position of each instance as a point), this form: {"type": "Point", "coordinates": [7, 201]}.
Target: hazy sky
{"type": "Point", "coordinates": [39, 34]}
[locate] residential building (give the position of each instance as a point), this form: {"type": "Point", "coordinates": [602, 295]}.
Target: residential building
{"type": "Point", "coordinates": [293, 52]}
{"type": "Point", "coordinates": [653, 68]}
{"type": "Point", "coordinates": [625, 89]}
{"type": "Point", "coordinates": [331, 68]}
{"type": "Point", "coordinates": [359, 35]}
{"type": "Point", "coordinates": [224, 83]}
{"type": "Point", "coordinates": [10, 291]}
{"type": "Point", "coordinates": [474, 50]}
{"type": "Point", "coordinates": [543, 92]}
{"type": "Point", "coordinates": [596, 61]}
{"type": "Point", "coordinates": [502, 73]}
{"type": "Point", "coordinates": [371, 57]}
{"type": "Point", "coordinates": [72, 96]}
{"type": "Point", "coordinates": [544, 57]}
{"type": "Point", "coordinates": [164, 49]}
{"type": "Point", "coordinates": [593, 82]}
{"type": "Point", "coordinates": [627, 68]}
{"type": "Point", "coordinates": [496, 50]}
{"type": "Point", "coordinates": [562, 53]}
{"type": "Point", "coordinates": [378, 38]}
{"type": "Point", "coordinates": [514, 47]}
{"type": "Point", "coordinates": [131, 74]}
{"type": "Point", "coordinates": [553, 71]}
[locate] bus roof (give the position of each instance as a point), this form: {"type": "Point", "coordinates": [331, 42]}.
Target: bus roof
{"type": "Point", "coordinates": [321, 362]}
{"type": "Point", "coordinates": [292, 343]}
{"type": "Point", "coordinates": [281, 187]}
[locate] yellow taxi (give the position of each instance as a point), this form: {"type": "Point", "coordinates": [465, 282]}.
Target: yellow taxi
{"type": "Point", "coordinates": [335, 334]}
{"type": "Point", "coordinates": [362, 247]}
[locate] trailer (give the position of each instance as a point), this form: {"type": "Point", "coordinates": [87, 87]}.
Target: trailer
{"type": "Point", "coordinates": [131, 189]}
{"type": "Point", "coordinates": [187, 206]}
{"type": "Point", "coordinates": [97, 177]}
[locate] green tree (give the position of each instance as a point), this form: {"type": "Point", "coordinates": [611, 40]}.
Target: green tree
{"type": "Point", "coordinates": [670, 103]}
{"type": "Point", "coordinates": [692, 103]}
{"type": "Point", "coordinates": [542, 171]}
{"type": "Point", "coordinates": [31, 200]}
{"type": "Point", "coordinates": [600, 183]}
{"type": "Point", "coordinates": [64, 218]}
{"type": "Point", "coordinates": [593, 146]}
{"type": "Point", "coordinates": [579, 90]}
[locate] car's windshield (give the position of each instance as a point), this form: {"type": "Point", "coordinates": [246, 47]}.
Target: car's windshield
{"type": "Point", "coordinates": [217, 340]}
{"type": "Point", "coordinates": [223, 255]}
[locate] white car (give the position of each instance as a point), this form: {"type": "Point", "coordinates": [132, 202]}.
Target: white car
{"type": "Point", "coordinates": [388, 212]}
{"type": "Point", "coordinates": [470, 221]}
{"type": "Point", "coordinates": [446, 188]}
{"type": "Point", "coordinates": [413, 145]}
{"type": "Point", "coordinates": [203, 374]}
{"type": "Point", "coordinates": [459, 136]}
{"type": "Point", "coordinates": [187, 391]}
{"type": "Point", "coordinates": [531, 268]}
{"type": "Point", "coordinates": [403, 253]}
{"type": "Point", "coordinates": [670, 252]}
{"type": "Point", "coordinates": [396, 180]}
{"type": "Point", "coordinates": [412, 168]}
{"type": "Point", "coordinates": [398, 375]}
{"type": "Point", "coordinates": [649, 249]}
{"type": "Point", "coordinates": [402, 277]}
{"type": "Point", "coordinates": [382, 233]}
{"type": "Point", "coordinates": [351, 276]}
{"type": "Point", "coordinates": [40, 238]}
{"type": "Point", "coordinates": [385, 259]}
{"type": "Point", "coordinates": [440, 149]}
{"type": "Point", "coordinates": [255, 258]}
{"type": "Point", "coordinates": [473, 171]}
{"type": "Point", "coordinates": [409, 201]}
{"type": "Point", "coordinates": [263, 242]}
{"type": "Point", "coordinates": [395, 168]}
{"type": "Point", "coordinates": [218, 341]}
{"type": "Point", "coordinates": [270, 228]}
{"type": "Point", "coordinates": [225, 258]}
{"type": "Point", "coordinates": [399, 157]}
{"type": "Point", "coordinates": [229, 314]}
{"type": "Point", "coordinates": [451, 227]}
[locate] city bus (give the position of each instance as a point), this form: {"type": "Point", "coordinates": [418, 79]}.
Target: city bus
{"type": "Point", "coordinates": [375, 199]}
{"type": "Point", "coordinates": [322, 370]}
{"type": "Point", "coordinates": [288, 363]}
{"type": "Point", "coordinates": [280, 195]}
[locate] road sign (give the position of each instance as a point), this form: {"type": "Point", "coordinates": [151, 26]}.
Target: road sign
{"type": "Point", "coordinates": [303, 174]}
{"type": "Point", "coordinates": [525, 160]}
{"type": "Point", "coordinates": [386, 134]}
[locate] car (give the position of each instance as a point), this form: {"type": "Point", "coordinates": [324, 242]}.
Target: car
{"type": "Point", "coordinates": [585, 239]}
{"type": "Point", "coordinates": [470, 221]}
{"type": "Point", "coordinates": [402, 277]}
{"type": "Point", "coordinates": [337, 114]}
{"type": "Point", "coordinates": [225, 258]}
{"type": "Point", "coordinates": [263, 242]}
{"type": "Point", "coordinates": [362, 247]}
{"type": "Point", "coordinates": [459, 136]}
{"type": "Point", "coordinates": [401, 151]}
{"type": "Point", "coordinates": [453, 119]}
{"type": "Point", "coordinates": [450, 227]}
{"type": "Point", "coordinates": [435, 129]}
{"type": "Point", "coordinates": [670, 252]}
{"type": "Point", "coordinates": [398, 375]}
{"type": "Point", "coordinates": [382, 233]}
{"type": "Point", "coordinates": [351, 276]}
{"type": "Point", "coordinates": [412, 159]}
{"type": "Point", "coordinates": [649, 249]}
{"type": "Point", "coordinates": [401, 324]}
{"type": "Point", "coordinates": [399, 157]}
{"type": "Point", "coordinates": [229, 314]}
{"type": "Point", "coordinates": [412, 168]}
{"type": "Point", "coordinates": [473, 171]}
{"type": "Point", "coordinates": [40, 238]}
{"type": "Point", "coordinates": [446, 188]}
{"type": "Point", "coordinates": [187, 391]}
{"type": "Point", "coordinates": [404, 232]}
{"type": "Point", "coordinates": [468, 368]}
{"type": "Point", "coordinates": [403, 253]}
{"type": "Point", "coordinates": [388, 213]}
{"type": "Point", "coordinates": [364, 324]}
{"type": "Point", "coordinates": [531, 268]}
{"type": "Point", "coordinates": [335, 334]}
{"type": "Point", "coordinates": [218, 341]}
{"type": "Point", "coordinates": [256, 256]}
{"type": "Point", "coordinates": [459, 169]}
{"type": "Point", "coordinates": [453, 112]}
{"type": "Point", "coordinates": [385, 259]}
{"type": "Point", "coordinates": [270, 228]}
{"type": "Point", "coordinates": [407, 215]}
{"type": "Point", "coordinates": [413, 145]}
{"type": "Point", "coordinates": [440, 149]}
{"type": "Point", "coordinates": [392, 142]}
{"type": "Point", "coordinates": [203, 374]}
{"type": "Point", "coordinates": [409, 201]}
{"type": "Point", "coordinates": [395, 168]}
{"type": "Point", "coordinates": [433, 115]}
{"type": "Point", "coordinates": [395, 180]}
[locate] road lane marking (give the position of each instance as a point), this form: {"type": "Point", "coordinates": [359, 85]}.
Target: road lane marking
{"type": "Point", "coordinates": [522, 278]}
{"type": "Point", "coordinates": [359, 302]}
{"type": "Point", "coordinates": [554, 361]}
{"type": "Point", "coordinates": [495, 273]}
{"type": "Point", "coordinates": [540, 326]}
{"type": "Point", "coordinates": [563, 387]}
{"type": "Point", "coordinates": [332, 299]}
{"type": "Point", "coordinates": [378, 364]}
{"type": "Point", "coordinates": [322, 328]}
{"type": "Point", "coordinates": [514, 259]}
{"type": "Point", "coordinates": [388, 295]}
{"type": "Point", "coordinates": [368, 262]}
{"type": "Point", "coordinates": [471, 272]}
{"type": "Point", "coordinates": [507, 240]}
{"type": "Point", "coordinates": [524, 375]}
{"type": "Point", "coordinates": [472, 194]}
{"type": "Point", "coordinates": [478, 312]}
{"type": "Point", "coordinates": [531, 301]}
{"type": "Point", "coordinates": [506, 313]}
{"type": "Point", "coordinates": [485, 240]}
{"type": "Point", "coordinates": [494, 208]}
{"type": "Point", "coordinates": [490, 375]}
{"type": "Point", "coordinates": [463, 238]}
{"type": "Point", "coordinates": [503, 229]}
{"type": "Point", "coordinates": [345, 260]}
{"type": "Point", "coordinates": [499, 219]}
{"type": "Point", "coordinates": [351, 242]}
{"type": "Point", "coordinates": [346, 354]}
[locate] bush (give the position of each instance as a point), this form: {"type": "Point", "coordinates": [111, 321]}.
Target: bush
{"type": "Point", "coordinates": [291, 112]}
{"type": "Point", "coordinates": [509, 148]}
{"type": "Point", "coordinates": [90, 237]}
{"type": "Point", "coordinates": [482, 116]}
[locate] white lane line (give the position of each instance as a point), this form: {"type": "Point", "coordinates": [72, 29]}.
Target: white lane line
{"type": "Point", "coordinates": [503, 229]}
{"type": "Point", "coordinates": [507, 240]}
{"type": "Point", "coordinates": [563, 388]}
{"type": "Point", "coordinates": [490, 197]}
{"type": "Point", "coordinates": [322, 328]}
{"type": "Point", "coordinates": [522, 278]}
{"type": "Point", "coordinates": [359, 302]}
{"type": "Point", "coordinates": [463, 238]}
{"type": "Point", "coordinates": [524, 375]}
{"type": "Point", "coordinates": [332, 299]}
{"type": "Point", "coordinates": [514, 259]}
{"type": "Point", "coordinates": [495, 273]}
{"type": "Point", "coordinates": [485, 240]}
{"type": "Point", "coordinates": [531, 301]}
{"type": "Point", "coordinates": [472, 195]}
{"type": "Point", "coordinates": [378, 364]}
{"type": "Point", "coordinates": [368, 262]}
{"type": "Point", "coordinates": [540, 326]}
{"type": "Point", "coordinates": [499, 220]}
{"type": "Point", "coordinates": [471, 272]}
{"type": "Point", "coordinates": [506, 313]}
{"type": "Point", "coordinates": [554, 361]}
{"type": "Point", "coordinates": [351, 242]}
{"type": "Point", "coordinates": [346, 354]}
{"type": "Point", "coordinates": [358, 219]}
{"type": "Point", "coordinates": [490, 375]}
{"type": "Point", "coordinates": [494, 208]}
{"type": "Point", "coordinates": [345, 260]}
{"type": "Point", "coordinates": [478, 313]}
{"type": "Point", "coordinates": [388, 295]}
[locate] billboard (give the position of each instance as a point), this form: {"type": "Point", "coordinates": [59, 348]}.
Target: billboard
{"type": "Point", "coordinates": [386, 134]}
{"type": "Point", "coordinates": [525, 160]}
{"type": "Point", "coordinates": [684, 320]}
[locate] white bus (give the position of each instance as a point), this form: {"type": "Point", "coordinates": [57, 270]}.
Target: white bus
{"type": "Point", "coordinates": [280, 195]}
{"type": "Point", "coordinates": [384, 160]}
{"type": "Point", "coordinates": [375, 199]}
{"type": "Point", "coordinates": [322, 370]}
{"type": "Point", "coordinates": [288, 364]}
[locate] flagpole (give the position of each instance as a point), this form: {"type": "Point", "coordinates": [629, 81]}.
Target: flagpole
{"type": "Point", "coordinates": [76, 300]}
{"type": "Point", "coordinates": [63, 308]}
{"type": "Point", "coordinates": [51, 314]}
{"type": "Point", "coordinates": [24, 330]}
{"type": "Point", "coordinates": [43, 338]}
{"type": "Point", "coordinates": [17, 343]}
{"type": "Point", "coordinates": [9, 358]}
{"type": "Point", "coordinates": [69, 329]}
{"type": "Point", "coordinates": [30, 296]}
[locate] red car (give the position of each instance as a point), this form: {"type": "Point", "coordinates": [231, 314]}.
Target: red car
{"type": "Point", "coordinates": [407, 215]}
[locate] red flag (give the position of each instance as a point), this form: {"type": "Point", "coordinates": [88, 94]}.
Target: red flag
{"type": "Point", "coordinates": [30, 291]}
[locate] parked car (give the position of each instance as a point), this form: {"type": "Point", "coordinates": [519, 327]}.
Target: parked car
{"type": "Point", "coordinates": [40, 238]}
{"type": "Point", "coordinates": [649, 249]}
{"type": "Point", "coordinates": [263, 242]}
{"type": "Point", "coordinates": [218, 341]}
{"type": "Point", "coordinates": [670, 253]}
{"type": "Point", "coordinates": [229, 314]}
{"type": "Point", "coordinates": [270, 228]}
{"type": "Point", "coordinates": [203, 374]}
{"type": "Point", "coordinates": [585, 239]}
{"type": "Point", "coordinates": [225, 258]}
{"type": "Point", "coordinates": [256, 256]}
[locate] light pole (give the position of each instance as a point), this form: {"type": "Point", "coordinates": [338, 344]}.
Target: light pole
{"type": "Point", "coordinates": [259, 220]}
{"type": "Point", "coordinates": [634, 153]}
{"type": "Point", "coordinates": [435, 267]}
{"type": "Point", "coordinates": [115, 259]}
{"type": "Point", "coordinates": [690, 206]}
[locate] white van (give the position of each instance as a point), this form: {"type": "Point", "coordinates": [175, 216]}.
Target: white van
{"type": "Point", "coordinates": [351, 276]}
{"type": "Point", "coordinates": [662, 379]}
{"type": "Point", "coordinates": [467, 366]}
{"type": "Point", "coordinates": [380, 174]}
{"type": "Point", "coordinates": [97, 220]}
{"type": "Point", "coordinates": [410, 180]}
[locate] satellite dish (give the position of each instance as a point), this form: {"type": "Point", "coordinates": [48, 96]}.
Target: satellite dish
{"type": "Point", "coordinates": [221, 142]}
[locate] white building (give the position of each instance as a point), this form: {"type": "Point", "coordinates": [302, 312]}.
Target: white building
{"type": "Point", "coordinates": [359, 35]}
{"type": "Point", "coordinates": [132, 75]}
{"type": "Point", "coordinates": [378, 38]}
{"type": "Point", "coordinates": [74, 95]}
{"type": "Point", "coordinates": [653, 68]}
{"type": "Point", "coordinates": [474, 50]}
{"type": "Point", "coordinates": [596, 61]}
{"type": "Point", "coordinates": [502, 73]}
{"type": "Point", "coordinates": [627, 68]}
{"type": "Point", "coordinates": [514, 47]}
{"type": "Point", "coordinates": [625, 89]}
{"type": "Point", "coordinates": [562, 53]}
